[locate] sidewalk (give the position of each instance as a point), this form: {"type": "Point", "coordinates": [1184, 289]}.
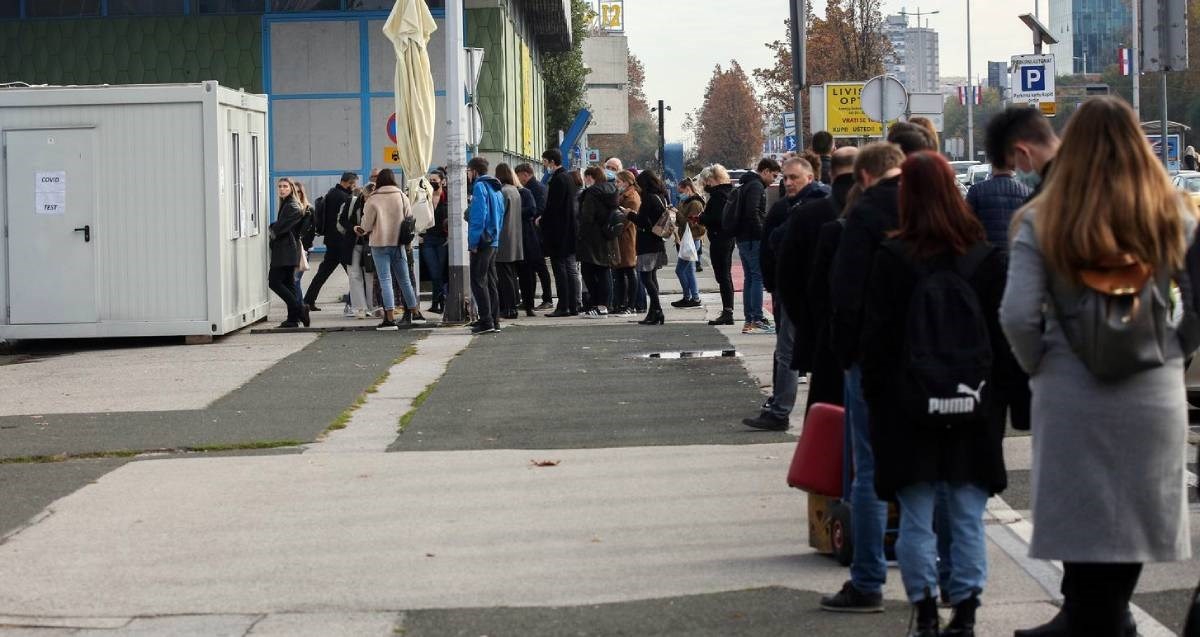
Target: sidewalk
{"type": "Point", "coordinates": [547, 480]}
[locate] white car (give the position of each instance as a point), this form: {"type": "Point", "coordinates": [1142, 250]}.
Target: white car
{"type": "Point", "coordinates": [960, 169]}
{"type": "Point", "coordinates": [978, 173]}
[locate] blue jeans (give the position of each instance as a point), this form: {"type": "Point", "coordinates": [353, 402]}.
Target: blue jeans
{"type": "Point", "coordinates": [686, 271]}
{"type": "Point", "coordinates": [785, 381]}
{"type": "Point", "coordinates": [435, 258]}
{"type": "Point", "coordinates": [868, 514]}
{"type": "Point", "coordinates": [752, 281]}
{"type": "Point", "coordinates": [917, 546]}
{"type": "Point", "coordinates": [398, 258]}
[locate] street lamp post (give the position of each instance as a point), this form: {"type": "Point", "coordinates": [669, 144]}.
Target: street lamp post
{"type": "Point", "coordinates": [970, 92]}
{"type": "Point", "coordinates": [456, 310]}
{"type": "Point", "coordinates": [662, 139]}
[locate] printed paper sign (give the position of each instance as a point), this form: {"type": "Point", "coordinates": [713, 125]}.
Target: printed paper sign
{"type": "Point", "coordinates": [50, 192]}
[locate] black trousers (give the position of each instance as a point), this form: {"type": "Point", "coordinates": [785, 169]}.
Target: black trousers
{"type": "Point", "coordinates": [625, 285]}
{"type": "Point", "coordinates": [328, 265]}
{"type": "Point", "coordinates": [484, 285]}
{"type": "Point", "coordinates": [599, 285]}
{"type": "Point", "coordinates": [527, 278]}
{"type": "Point", "coordinates": [1096, 597]}
{"type": "Point", "coordinates": [543, 275]}
{"type": "Point", "coordinates": [720, 252]}
{"type": "Point", "coordinates": [509, 285]}
{"type": "Point", "coordinates": [650, 281]}
{"type": "Point", "coordinates": [282, 281]}
{"type": "Point", "coordinates": [566, 283]}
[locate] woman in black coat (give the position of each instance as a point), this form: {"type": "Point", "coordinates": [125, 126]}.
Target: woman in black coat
{"type": "Point", "coordinates": [720, 245]}
{"type": "Point", "coordinates": [919, 463]}
{"type": "Point", "coordinates": [534, 259]}
{"type": "Point", "coordinates": [285, 253]}
{"type": "Point", "coordinates": [651, 251]}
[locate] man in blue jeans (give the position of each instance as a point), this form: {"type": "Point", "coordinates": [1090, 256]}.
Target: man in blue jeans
{"type": "Point", "coordinates": [875, 213]}
{"type": "Point", "coordinates": [745, 220]}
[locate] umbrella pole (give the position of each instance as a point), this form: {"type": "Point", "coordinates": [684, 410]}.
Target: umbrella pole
{"type": "Point", "coordinates": [457, 310]}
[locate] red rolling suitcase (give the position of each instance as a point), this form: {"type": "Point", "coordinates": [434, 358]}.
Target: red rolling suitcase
{"type": "Point", "coordinates": [817, 464]}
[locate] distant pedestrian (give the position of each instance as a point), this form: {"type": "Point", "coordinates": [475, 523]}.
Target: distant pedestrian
{"type": "Point", "coordinates": [691, 205]}
{"type": "Point", "coordinates": [614, 165]}
{"type": "Point", "coordinates": [1191, 161]}
{"type": "Point", "coordinates": [911, 138]}
{"type": "Point", "coordinates": [922, 461]}
{"type": "Point", "coordinates": [326, 225]}
{"type": "Point", "coordinates": [435, 252]}
{"type": "Point", "coordinates": [598, 250]}
{"type": "Point", "coordinates": [720, 240]}
{"type": "Point", "coordinates": [484, 228]}
{"type": "Point", "coordinates": [652, 253]}
{"type": "Point", "coordinates": [285, 253]}
{"type": "Point", "coordinates": [307, 232]}
{"type": "Point", "coordinates": [822, 145]}
{"type": "Point", "coordinates": [927, 124]}
{"type": "Point", "coordinates": [511, 252]}
{"type": "Point", "coordinates": [384, 213]}
{"type": "Point", "coordinates": [995, 200]}
{"type": "Point", "coordinates": [535, 256]}
{"type": "Point", "coordinates": [744, 221]}
{"type": "Point", "coordinates": [1029, 143]}
{"type": "Point", "coordinates": [361, 270]}
{"type": "Point", "coordinates": [625, 286]}
{"type": "Point", "coordinates": [1109, 488]}
{"type": "Point", "coordinates": [558, 223]}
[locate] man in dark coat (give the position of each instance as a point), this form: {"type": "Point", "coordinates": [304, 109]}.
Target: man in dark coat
{"type": "Point", "coordinates": [558, 225]}
{"type": "Point", "coordinates": [994, 201]}
{"type": "Point", "coordinates": [535, 258]}
{"type": "Point", "coordinates": [799, 187]}
{"type": "Point", "coordinates": [337, 252]}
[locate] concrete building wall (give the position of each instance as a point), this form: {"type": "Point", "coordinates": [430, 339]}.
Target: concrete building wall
{"type": "Point", "coordinates": [511, 90]}
{"type": "Point", "coordinates": [921, 60]}
{"type": "Point", "coordinates": [608, 83]}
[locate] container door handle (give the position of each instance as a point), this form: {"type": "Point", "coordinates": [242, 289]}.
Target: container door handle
{"type": "Point", "coordinates": [87, 233]}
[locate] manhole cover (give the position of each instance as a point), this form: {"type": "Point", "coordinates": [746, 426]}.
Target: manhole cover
{"type": "Point", "coordinates": [707, 353]}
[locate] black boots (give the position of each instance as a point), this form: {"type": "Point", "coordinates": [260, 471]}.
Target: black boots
{"type": "Point", "coordinates": [962, 622]}
{"type": "Point", "coordinates": [927, 620]}
{"type": "Point", "coordinates": [655, 317]}
{"type": "Point", "coordinates": [726, 318]}
{"type": "Point", "coordinates": [407, 319]}
{"type": "Point", "coordinates": [1057, 627]}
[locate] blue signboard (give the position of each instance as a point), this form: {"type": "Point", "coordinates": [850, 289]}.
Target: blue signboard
{"type": "Point", "coordinates": [789, 142]}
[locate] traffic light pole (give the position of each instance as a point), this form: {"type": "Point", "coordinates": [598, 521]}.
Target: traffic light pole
{"type": "Point", "coordinates": [799, 34]}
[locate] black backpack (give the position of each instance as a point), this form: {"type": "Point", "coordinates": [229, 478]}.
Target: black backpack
{"type": "Point", "coordinates": [947, 361]}
{"type": "Point", "coordinates": [319, 215]}
{"type": "Point", "coordinates": [731, 215]}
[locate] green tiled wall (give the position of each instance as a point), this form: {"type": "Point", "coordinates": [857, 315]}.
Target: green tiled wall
{"type": "Point", "coordinates": [500, 89]}
{"type": "Point", "coordinates": [134, 51]}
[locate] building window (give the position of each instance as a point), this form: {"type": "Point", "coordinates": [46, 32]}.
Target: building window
{"type": "Point", "coordinates": [61, 8]}
{"type": "Point", "coordinates": [231, 6]}
{"type": "Point", "coordinates": [235, 187]}
{"type": "Point", "coordinates": [257, 180]}
{"type": "Point", "coordinates": [306, 5]}
{"type": "Point", "coordinates": [145, 7]}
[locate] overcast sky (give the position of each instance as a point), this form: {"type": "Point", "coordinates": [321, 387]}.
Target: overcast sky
{"type": "Point", "coordinates": [680, 40]}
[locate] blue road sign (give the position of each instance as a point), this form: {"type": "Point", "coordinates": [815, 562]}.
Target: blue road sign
{"type": "Point", "coordinates": [1033, 78]}
{"type": "Point", "coordinates": [789, 143]}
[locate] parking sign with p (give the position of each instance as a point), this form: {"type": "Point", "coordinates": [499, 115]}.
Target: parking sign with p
{"type": "Point", "coordinates": [1033, 78]}
{"type": "Point", "coordinates": [1032, 81]}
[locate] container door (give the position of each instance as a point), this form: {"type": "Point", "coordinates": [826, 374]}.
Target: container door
{"type": "Point", "coordinates": [52, 233]}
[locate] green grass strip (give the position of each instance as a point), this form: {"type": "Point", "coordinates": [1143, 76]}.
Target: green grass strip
{"type": "Point", "coordinates": [343, 419]}
{"type": "Point", "coordinates": [407, 418]}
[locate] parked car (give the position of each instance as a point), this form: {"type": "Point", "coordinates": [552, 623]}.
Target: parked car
{"type": "Point", "coordinates": [978, 173]}
{"type": "Point", "coordinates": [960, 169]}
{"type": "Point", "coordinates": [1189, 182]}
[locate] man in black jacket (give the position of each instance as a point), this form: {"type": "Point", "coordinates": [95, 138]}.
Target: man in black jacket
{"type": "Point", "coordinates": [994, 201]}
{"type": "Point", "coordinates": [745, 221]}
{"type": "Point", "coordinates": [536, 260]}
{"type": "Point", "coordinates": [336, 251]}
{"type": "Point", "coordinates": [797, 249]}
{"type": "Point", "coordinates": [558, 225]}
{"type": "Point", "coordinates": [874, 214]}
{"type": "Point", "coordinates": [799, 187]}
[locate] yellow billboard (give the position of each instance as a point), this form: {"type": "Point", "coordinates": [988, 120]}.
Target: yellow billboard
{"type": "Point", "coordinates": [844, 116]}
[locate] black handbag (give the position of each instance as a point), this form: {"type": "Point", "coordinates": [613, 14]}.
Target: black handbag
{"type": "Point", "coordinates": [408, 230]}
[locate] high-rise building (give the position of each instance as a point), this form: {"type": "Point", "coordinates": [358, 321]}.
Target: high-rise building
{"type": "Point", "coordinates": [1089, 32]}
{"type": "Point", "coordinates": [997, 75]}
{"type": "Point", "coordinates": [914, 58]}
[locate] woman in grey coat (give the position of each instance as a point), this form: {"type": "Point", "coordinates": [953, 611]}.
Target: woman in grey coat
{"type": "Point", "coordinates": [511, 252]}
{"type": "Point", "coordinates": [1108, 456]}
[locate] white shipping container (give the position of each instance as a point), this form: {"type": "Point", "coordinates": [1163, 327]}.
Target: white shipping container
{"type": "Point", "coordinates": [136, 210]}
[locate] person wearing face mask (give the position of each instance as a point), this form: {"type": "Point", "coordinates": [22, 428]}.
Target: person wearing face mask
{"type": "Point", "coordinates": [435, 253]}
{"type": "Point", "coordinates": [1028, 143]}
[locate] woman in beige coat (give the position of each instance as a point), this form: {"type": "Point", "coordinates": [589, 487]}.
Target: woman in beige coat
{"type": "Point", "coordinates": [385, 212]}
{"type": "Point", "coordinates": [625, 284]}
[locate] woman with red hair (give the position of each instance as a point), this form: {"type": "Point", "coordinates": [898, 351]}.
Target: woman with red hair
{"type": "Point", "coordinates": [931, 319]}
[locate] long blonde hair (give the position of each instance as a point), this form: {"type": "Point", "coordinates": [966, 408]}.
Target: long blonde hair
{"type": "Point", "coordinates": [1107, 195]}
{"type": "Point", "coordinates": [301, 196]}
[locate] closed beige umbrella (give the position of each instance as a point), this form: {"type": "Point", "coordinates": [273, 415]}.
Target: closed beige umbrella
{"type": "Point", "coordinates": [409, 28]}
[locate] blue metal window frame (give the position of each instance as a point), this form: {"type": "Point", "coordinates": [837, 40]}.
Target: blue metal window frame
{"type": "Point", "coordinates": [188, 10]}
{"type": "Point", "coordinates": [364, 95]}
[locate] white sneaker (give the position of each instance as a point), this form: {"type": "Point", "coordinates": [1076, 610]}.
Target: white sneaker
{"type": "Point", "coordinates": [596, 313]}
{"type": "Point", "coordinates": [360, 315]}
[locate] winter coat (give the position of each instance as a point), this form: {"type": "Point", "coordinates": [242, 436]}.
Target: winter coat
{"type": "Point", "coordinates": [994, 201]}
{"type": "Point", "coordinates": [827, 384]}
{"type": "Point", "coordinates": [531, 241]}
{"type": "Point", "coordinates": [441, 218]}
{"type": "Point", "coordinates": [598, 204]}
{"type": "Point", "coordinates": [485, 216]}
{"type": "Point", "coordinates": [285, 237]}
{"type": "Point", "coordinates": [689, 210]}
{"type": "Point", "coordinates": [1108, 457]}
{"type": "Point", "coordinates": [908, 452]}
{"type": "Point", "coordinates": [718, 196]}
{"type": "Point", "coordinates": [558, 219]}
{"type": "Point", "coordinates": [631, 199]}
{"type": "Point", "coordinates": [775, 229]}
{"type": "Point", "coordinates": [873, 215]}
{"type": "Point", "coordinates": [751, 208]}
{"type": "Point", "coordinates": [648, 214]}
{"type": "Point", "coordinates": [383, 214]}
{"type": "Point", "coordinates": [795, 255]}
{"type": "Point", "coordinates": [512, 236]}
{"type": "Point", "coordinates": [337, 245]}
{"type": "Point", "coordinates": [538, 190]}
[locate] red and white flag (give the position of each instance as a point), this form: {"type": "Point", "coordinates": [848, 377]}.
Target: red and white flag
{"type": "Point", "coordinates": [1125, 60]}
{"type": "Point", "coordinates": [977, 92]}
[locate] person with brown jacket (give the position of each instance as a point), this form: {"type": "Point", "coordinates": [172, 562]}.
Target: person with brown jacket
{"type": "Point", "coordinates": [625, 287]}
{"type": "Point", "coordinates": [690, 207]}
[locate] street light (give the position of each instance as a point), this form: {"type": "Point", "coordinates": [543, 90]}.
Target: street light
{"type": "Point", "coordinates": [662, 140]}
{"type": "Point", "coordinates": [970, 92]}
